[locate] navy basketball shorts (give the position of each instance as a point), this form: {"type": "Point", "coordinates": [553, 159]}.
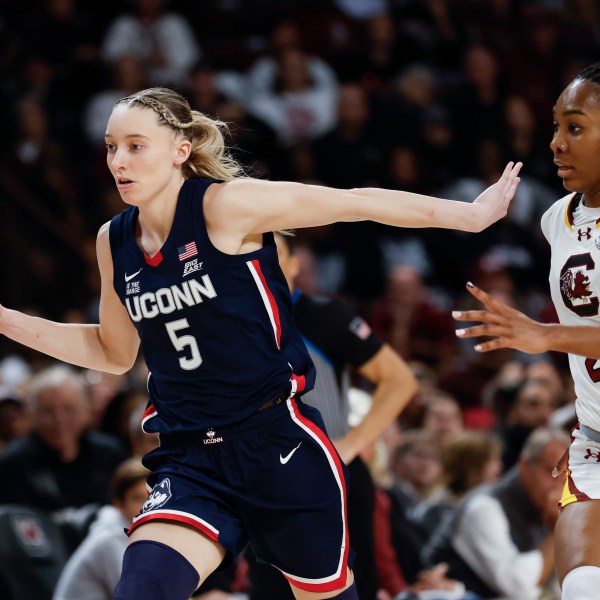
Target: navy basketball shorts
{"type": "Point", "coordinates": [274, 480]}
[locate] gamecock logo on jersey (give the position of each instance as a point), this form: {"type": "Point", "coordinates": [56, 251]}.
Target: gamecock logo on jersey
{"type": "Point", "coordinates": [575, 285]}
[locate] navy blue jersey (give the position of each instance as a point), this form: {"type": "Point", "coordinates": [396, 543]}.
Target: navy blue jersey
{"type": "Point", "coordinates": [216, 330]}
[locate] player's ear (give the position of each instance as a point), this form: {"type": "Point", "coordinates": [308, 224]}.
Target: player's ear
{"type": "Point", "coordinates": [183, 150]}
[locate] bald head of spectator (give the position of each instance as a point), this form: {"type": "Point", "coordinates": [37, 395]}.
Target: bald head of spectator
{"type": "Point", "coordinates": [59, 410]}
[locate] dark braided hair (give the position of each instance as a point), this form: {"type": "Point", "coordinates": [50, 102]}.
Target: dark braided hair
{"type": "Point", "coordinates": [590, 73]}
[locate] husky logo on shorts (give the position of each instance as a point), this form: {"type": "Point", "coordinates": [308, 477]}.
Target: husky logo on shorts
{"type": "Point", "coordinates": [159, 496]}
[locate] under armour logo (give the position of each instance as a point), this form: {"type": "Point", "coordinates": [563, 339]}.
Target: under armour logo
{"type": "Point", "coordinates": [584, 234]}
{"type": "Point", "coordinates": [592, 454]}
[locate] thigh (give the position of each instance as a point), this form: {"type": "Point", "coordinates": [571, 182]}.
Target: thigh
{"type": "Point", "coordinates": [296, 517]}
{"type": "Point", "coordinates": [204, 554]}
{"type": "Point", "coordinates": [578, 527]}
{"type": "Point", "coordinates": [185, 489]}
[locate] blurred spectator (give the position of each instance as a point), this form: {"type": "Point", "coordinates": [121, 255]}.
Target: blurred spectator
{"type": "Point", "coordinates": [252, 142]}
{"type": "Point", "coordinates": [349, 156]}
{"type": "Point", "coordinates": [437, 146]}
{"type": "Point", "coordinates": [299, 101]}
{"type": "Point", "coordinates": [471, 459]}
{"type": "Point", "coordinates": [434, 30]}
{"type": "Point", "coordinates": [494, 22]}
{"type": "Point", "coordinates": [362, 9]}
{"type": "Point", "coordinates": [442, 418]}
{"type": "Point", "coordinates": [102, 389]}
{"type": "Point", "coordinates": [522, 141]}
{"type": "Point", "coordinates": [410, 321]}
{"type": "Point", "coordinates": [399, 107]}
{"type": "Point", "coordinates": [62, 41]}
{"type": "Point", "coordinates": [94, 569]}
{"type": "Point", "coordinates": [122, 404]}
{"type": "Point", "coordinates": [59, 464]}
{"type": "Point", "coordinates": [163, 41]}
{"type": "Point", "coordinates": [203, 91]}
{"type": "Point", "coordinates": [15, 421]}
{"type": "Point", "coordinates": [61, 32]}
{"type": "Point", "coordinates": [537, 63]}
{"type": "Point", "coordinates": [416, 468]}
{"type": "Point", "coordinates": [377, 57]}
{"type": "Point", "coordinates": [581, 29]}
{"type": "Point", "coordinates": [533, 406]}
{"type": "Point", "coordinates": [479, 101]}
{"type": "Point", "coordinates": [500, 540]}
{"type": "Point", "coordinates": [42, 222]}
{"type": "Point", "coordinates": [544, 370]}
{"type": "Point", "coordinates": [293, 93]}
{"type": "Point", "coordinates": [128, 76]}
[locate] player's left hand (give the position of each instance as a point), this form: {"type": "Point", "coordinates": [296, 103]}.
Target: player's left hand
{"type": "Point", "coordinates": [508, 327]}
{"type": "Point", "coordinates": [492, 204]}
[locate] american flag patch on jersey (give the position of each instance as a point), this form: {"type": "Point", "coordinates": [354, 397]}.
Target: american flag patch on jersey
{"type": "Point", "coordinates": [360, 328]}
{"type": "Point", "coordinates": [186, 251]}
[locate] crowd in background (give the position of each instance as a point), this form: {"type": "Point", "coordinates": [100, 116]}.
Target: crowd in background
{"type": "Point", "coordinates": [431, 96]}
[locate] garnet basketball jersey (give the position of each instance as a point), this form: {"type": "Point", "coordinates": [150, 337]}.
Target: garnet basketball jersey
{"type": "Point", "coordinates": [216, 329]}
{"type": "Point", "coordinates": [573, 231]}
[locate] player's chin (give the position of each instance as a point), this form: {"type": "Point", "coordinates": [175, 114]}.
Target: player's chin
{"type": "Point", "coordinates": [128, 197]}
{"type": "Point", "coordinates": [571, 184]}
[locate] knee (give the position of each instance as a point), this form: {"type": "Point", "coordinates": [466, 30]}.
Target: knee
{"type": "Point", "coordinates": [582, 583]}
{"type": "Point", "coordinates": [154, 571]}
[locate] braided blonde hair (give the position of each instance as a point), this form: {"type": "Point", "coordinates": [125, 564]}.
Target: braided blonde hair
{"type": "Point", "coordinates": [209, 156]}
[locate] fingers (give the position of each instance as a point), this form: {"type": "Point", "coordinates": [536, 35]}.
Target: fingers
{"type": "Point", "coordinates": [440, 569]}
{"type": "Point", "coordinates": [507, 170]}
{"type": "Point", "coordinates": [561, 465]}
{"type": "Point", "coordinates": [512, 170]}
{"type": "Point", "coordinates": [490, 303]}
{"type": "Point", "coordinates": [476, 315]}
{"type": "Point", "coordinates": [512, 180]}
{"type": "Point", "coordinates": [482, 330]}
{"type": "Point", "coordinates": [495, 344]}
{"type": "Point", "coordinates": [482, 296]}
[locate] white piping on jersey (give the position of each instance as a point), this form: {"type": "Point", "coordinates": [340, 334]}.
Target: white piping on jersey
{"type": "Point", "coordinates": [570, 213]}
{"type": "Point", "coordinates": [336, 474]}
{"type": "Point", "coordinates": [293, 384]}
{"type": "Point", "coordinates": [147, 418]}
{"type": "Point", "coordinates": [265, 299]}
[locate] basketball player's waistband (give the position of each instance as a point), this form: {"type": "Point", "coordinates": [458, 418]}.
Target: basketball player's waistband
{"type": "Point", "coordinates": [590, 433]}
{"type": "Point", "coordinates": [267, 413]}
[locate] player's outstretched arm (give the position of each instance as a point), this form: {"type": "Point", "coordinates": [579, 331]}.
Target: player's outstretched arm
{"type": "Point", "coordinates": [510, 328]}
{"type": "Point", "coordinates": [111, 346]}
{"type": "Point", "coordinates": [243, 207]}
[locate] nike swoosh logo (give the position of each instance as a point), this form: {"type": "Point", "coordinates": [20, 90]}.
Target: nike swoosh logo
{"type": "Point", "coordinates": [284, 459]}
{"type": "Point", "coordinates": [130, 277]}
